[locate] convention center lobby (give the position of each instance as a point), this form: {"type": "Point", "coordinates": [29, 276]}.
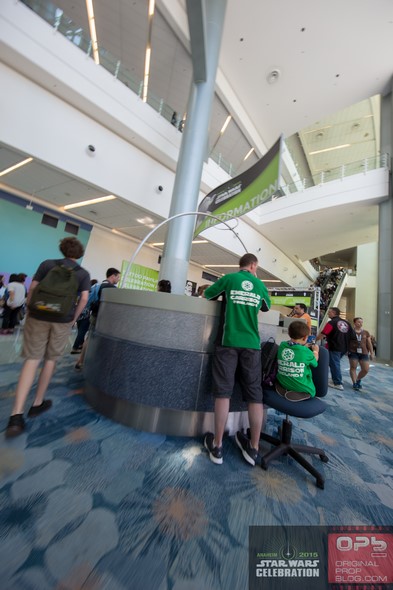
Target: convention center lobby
{"type": "Point", "coordinates": [170, 137]}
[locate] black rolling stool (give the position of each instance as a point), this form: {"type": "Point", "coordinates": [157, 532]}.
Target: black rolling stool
{"type": "Point", "coordinates": [303, 409]}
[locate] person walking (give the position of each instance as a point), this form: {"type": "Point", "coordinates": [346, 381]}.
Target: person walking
{"type": "Point", "coordinates": [360, 353]}
{"type": "Point", "coordinates": [338, 333]}
{"type": "Point", "coordinates": [238, 347]}
{"type": "Point", "coordinates": [46, 332]}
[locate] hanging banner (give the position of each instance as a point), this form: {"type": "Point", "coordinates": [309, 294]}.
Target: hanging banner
{"type": "Point", "coordinates": [243, 193]}
{"type": "Point", "coordinates": [139, 277]}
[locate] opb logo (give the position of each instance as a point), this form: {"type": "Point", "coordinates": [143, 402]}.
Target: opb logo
{"type": "Point", "coordinates": [358, 542]}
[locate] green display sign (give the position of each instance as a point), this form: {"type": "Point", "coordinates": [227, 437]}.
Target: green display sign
{"type": "Point", "coordinates": [290, 300]}
{"type": "Point", "coordinates": [139, 277]}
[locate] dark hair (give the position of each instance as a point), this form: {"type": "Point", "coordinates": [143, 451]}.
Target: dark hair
{"type": "Point", "coordinates": [355, 319]}
{"type": "Point", "coordinates": [302, 305]}
{"type": "Point", "coordinates": [202, 289]}
{"type": "Point", "coordinates": [298, 329]}
{"type": "Point", "coordinates": [112, 271]}
{"type": "Point", "coordinates": [13, 278]}
{"type": "Point", "coordinates": [164, 286]}
{"type": "Point", "coordinates": [71, 248]}
{"type": "Point", "coordinates": [247, 259]}
{"type": "Point", "coordinates": [21, 277]}
{"type": "Point", "coordinates": [93, 282]}
{"type": "Point", "coordinates": [336, 310]}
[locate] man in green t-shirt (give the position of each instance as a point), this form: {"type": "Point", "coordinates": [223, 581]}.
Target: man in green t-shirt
{"type": "Point", "coordinates": [295, 359]}
{"type": "Point", "coordinates": [238, 346]}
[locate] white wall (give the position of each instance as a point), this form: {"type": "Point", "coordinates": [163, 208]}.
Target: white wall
{"type": "Point", "coordinates": [367, 286]}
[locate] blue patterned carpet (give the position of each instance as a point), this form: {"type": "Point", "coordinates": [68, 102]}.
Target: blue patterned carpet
{"type": "Point", "coordinates": [87, 503]}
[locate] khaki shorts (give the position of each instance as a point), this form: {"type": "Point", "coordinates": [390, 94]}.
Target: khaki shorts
{"type": "Point", "coordinates": [44, 339]}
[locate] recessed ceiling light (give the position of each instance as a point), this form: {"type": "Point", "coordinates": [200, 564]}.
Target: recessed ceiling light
{"type": "Point", "coordinates": [221, 266]}
{"type": "Point", "coordinates": [336, 147]}
{"type": "Point", "coordinates": [90, 202]}
{"type": "Point", "coordinates": [15, 166]}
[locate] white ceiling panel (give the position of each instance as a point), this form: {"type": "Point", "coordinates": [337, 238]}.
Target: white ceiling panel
{"type": "Point", "coordinates": [320, 76]}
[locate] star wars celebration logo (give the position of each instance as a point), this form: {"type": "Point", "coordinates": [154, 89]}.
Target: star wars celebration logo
{"type": "Point", "coordinates": [288, 562]}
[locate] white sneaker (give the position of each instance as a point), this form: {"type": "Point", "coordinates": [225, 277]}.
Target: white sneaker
{"type": "Point", "coordinates": [339, 386]}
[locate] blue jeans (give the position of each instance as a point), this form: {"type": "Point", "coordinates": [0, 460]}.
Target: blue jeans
{"type": "Point", "coordinates": [335, 366]}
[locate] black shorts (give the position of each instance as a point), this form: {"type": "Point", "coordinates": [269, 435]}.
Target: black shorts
{"type": "Point", "coordinates": [358, 356]}
{"type": "Point", "coordinates": [248, 362]}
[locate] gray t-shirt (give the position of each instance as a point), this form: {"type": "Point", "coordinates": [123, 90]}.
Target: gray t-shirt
{"type": "Point", "coordinates": [82, 276]}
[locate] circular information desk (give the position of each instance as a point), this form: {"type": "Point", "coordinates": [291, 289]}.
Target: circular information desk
{"type": "Point", "coordinates": [148, 363]}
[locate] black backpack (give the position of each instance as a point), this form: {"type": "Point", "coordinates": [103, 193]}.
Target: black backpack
{"type": "Point", "coordinates": [56, 295]}
{"type": "Point", "coordinates": [269, 351]}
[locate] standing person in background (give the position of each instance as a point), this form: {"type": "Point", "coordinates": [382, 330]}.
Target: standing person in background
{"type": "Point", "coordinates": [112, 278]}
{"type": "Point", "coordinates": [16, 296]}
{"type": "Point", "coordinates": [238, 347]}
{"type": "Point", "coordinates": [300, 312]}
{"type": "Point", "coordinates": [164, 286]}
{"type": "Point", "coordinates": [360, 353]}
{"type": "Point", "coordinates": [2, 294]}
{"type": "Point", "coordinates": [45, 338]}
{"type": "Point", "coordinates": [338, 333]}
{"type": "Point", "coordinates": [83, 323]}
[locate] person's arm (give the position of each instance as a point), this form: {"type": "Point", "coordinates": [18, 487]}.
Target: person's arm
{"type": "Point", "coordinates": [370, 346]}
{"type": "Point", "coordinates": [32, 287]}
{"type": "Point", "coordinates": [266, 302]}
{"type": "Point", "coordinates": [84, 296]}
{"type": "Point", "coordinates": [11, 296]}
{"type": "Point", "coordinates": [325, 332]}
{"type": "Point", "coordinates": [216, 289]}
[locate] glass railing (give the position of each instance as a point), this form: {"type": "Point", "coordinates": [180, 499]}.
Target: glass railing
{"type": "Point", "coordinates": [62, 23]}
{"type": "Point", "coordinates": [361, 166]}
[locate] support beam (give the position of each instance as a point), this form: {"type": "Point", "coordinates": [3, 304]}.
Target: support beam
{"type": "Point", "coordinates": [177, 250]}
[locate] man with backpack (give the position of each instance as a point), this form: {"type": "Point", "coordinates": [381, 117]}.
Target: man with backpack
{"type": "Point", "coordinates": [53, 307]}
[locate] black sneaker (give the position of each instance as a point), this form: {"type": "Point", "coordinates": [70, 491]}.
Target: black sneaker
{"type": "Point", "coordinates": [249, 453]}
{"type": "Point", "coordinates": [76, 350]}
{"type": "Point", "coordinates": [215, 453]}
{"type": "Point", "coordinates": [37, 410]}
{"type": "Point", "coordinates": [15, 426]}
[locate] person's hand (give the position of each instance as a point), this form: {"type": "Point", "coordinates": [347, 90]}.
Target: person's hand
{"type": "Point", "coordinates": [315, 348]}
